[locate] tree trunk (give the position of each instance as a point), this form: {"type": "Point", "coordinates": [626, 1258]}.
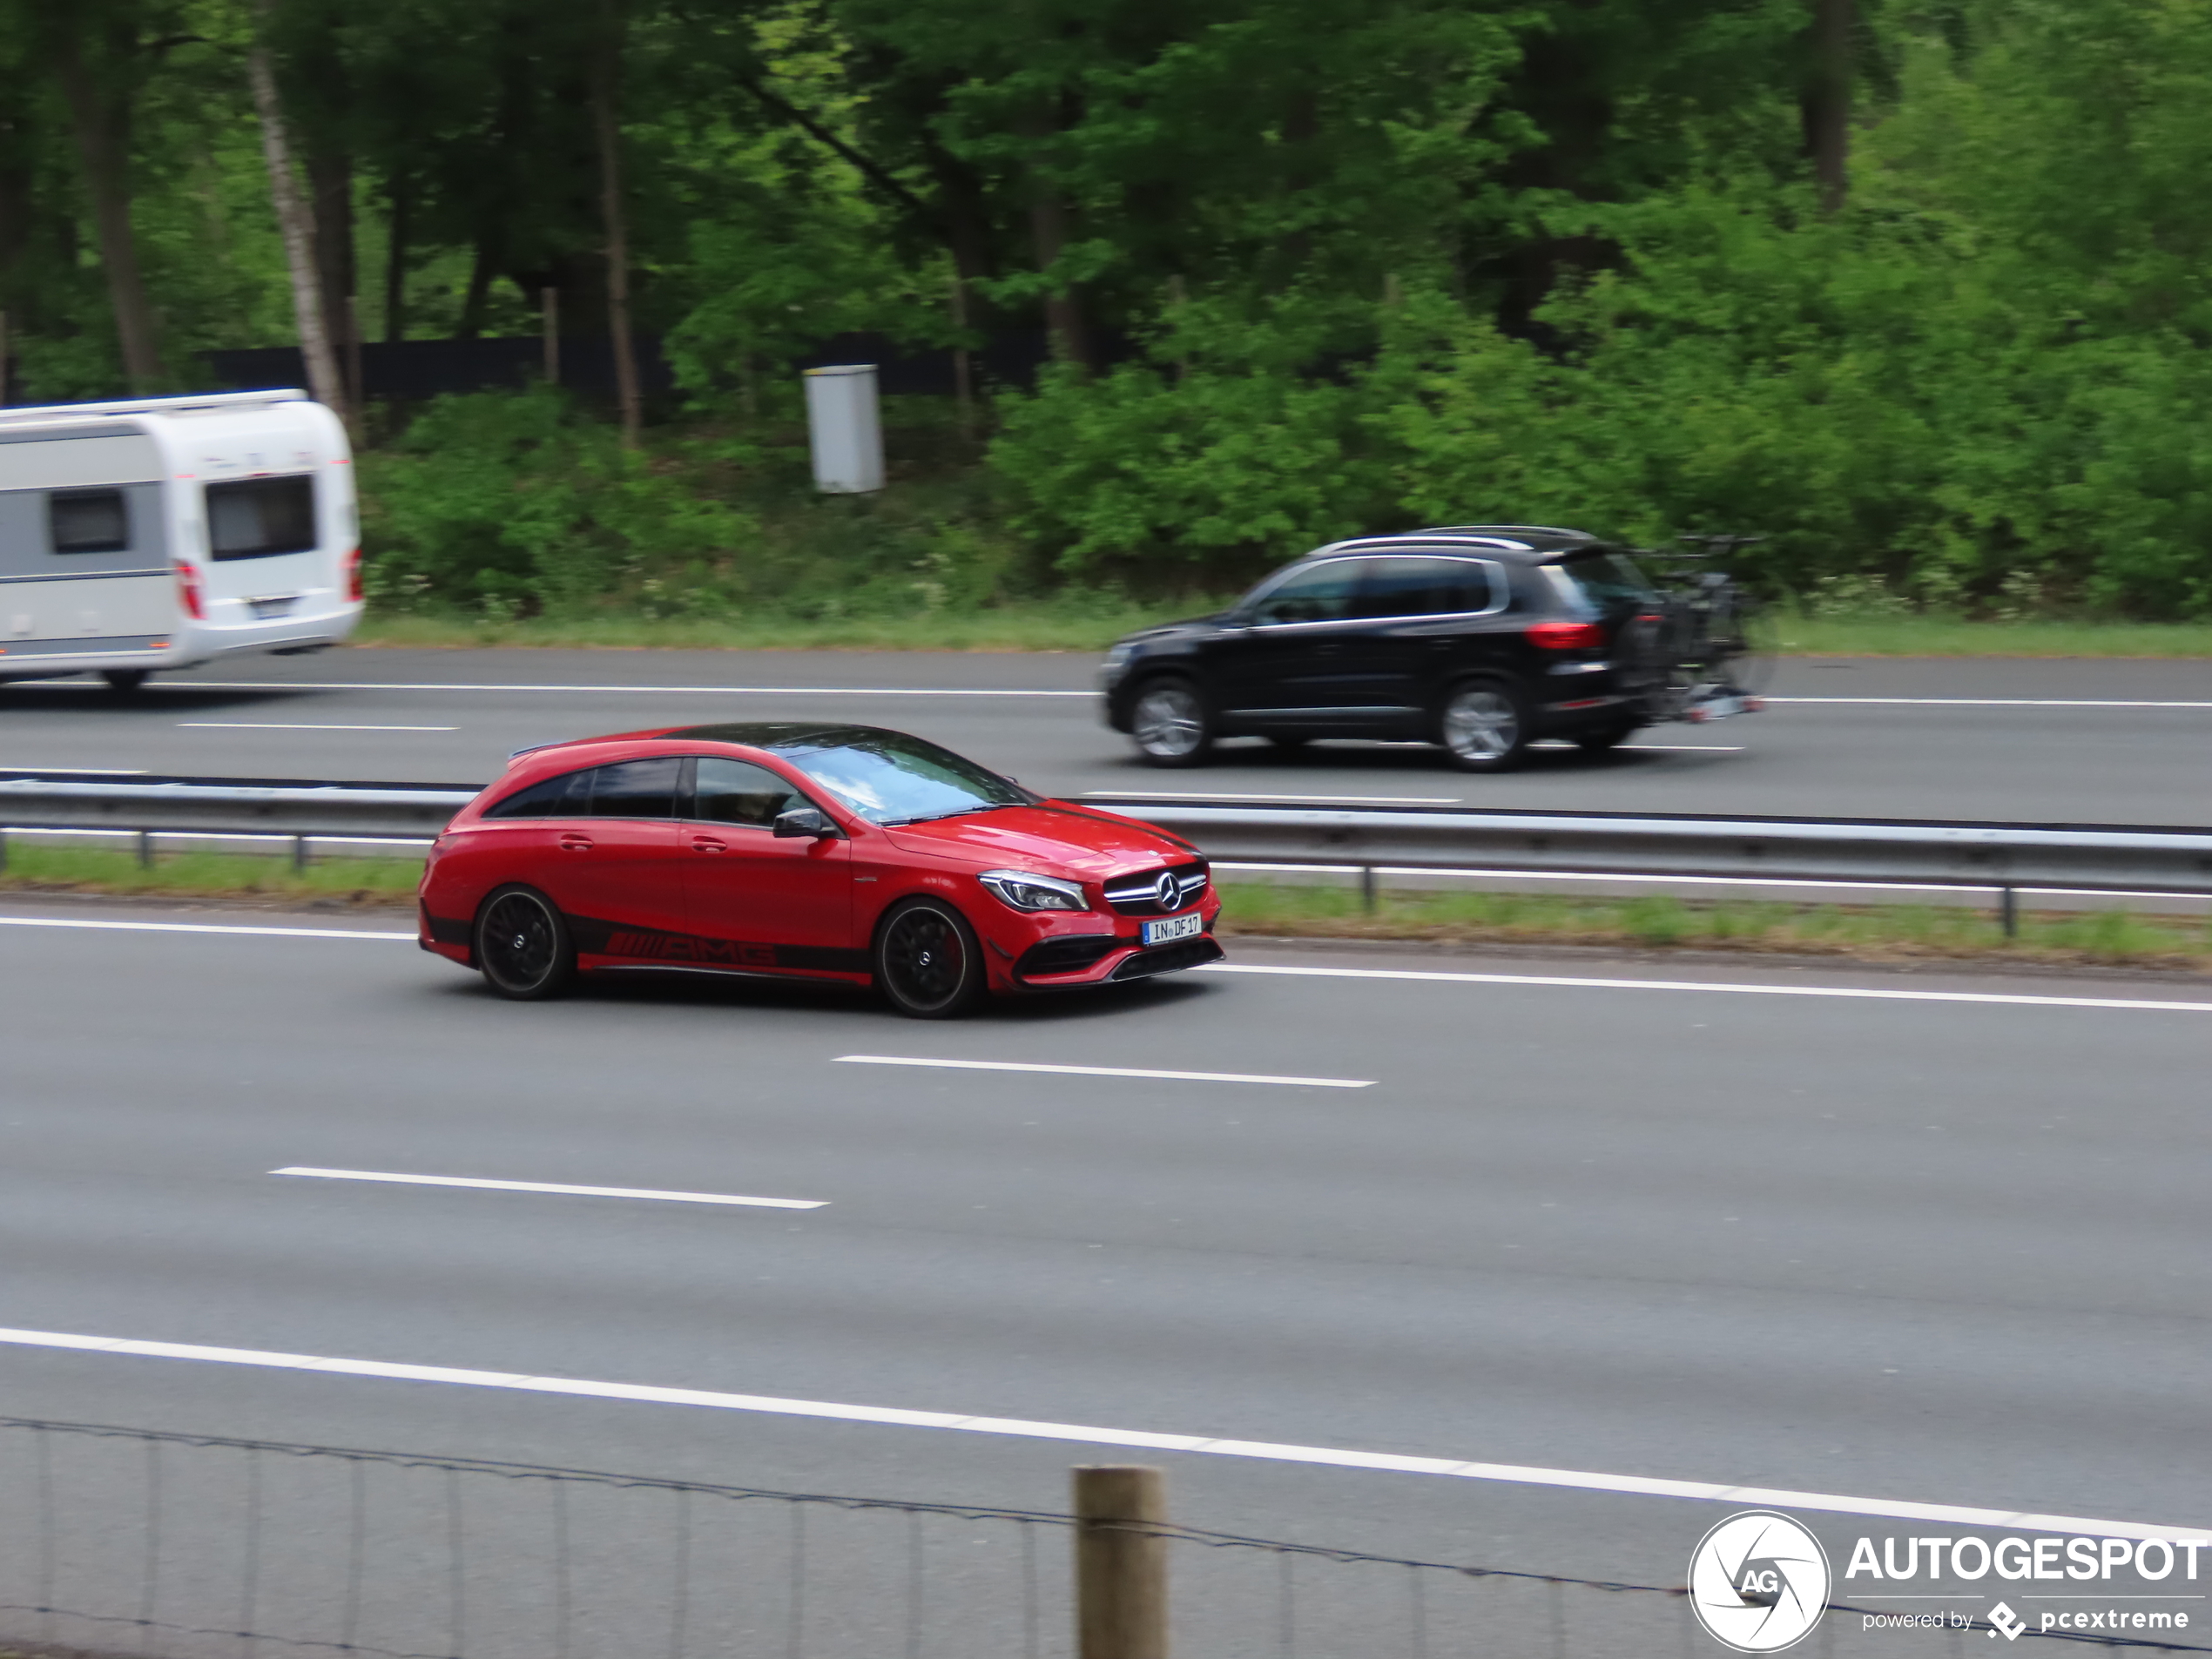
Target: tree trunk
{"type": "Point", "coordinates": [1825, 107]}
{"type": "Point", "coordinates": [606, 70]}
{"type": "Point", "coordinates": [1064, 311]}
{"type": "Point", "coordinates": [297, 224]}
{"type": "Point", "coordinates": [479, 291]}
{"type": "Point", "coordinates": [401, 194]}
{"type": "Point", "coordinates": [101, 121]}
{"type": "Point", "coordinates": [330, 179]}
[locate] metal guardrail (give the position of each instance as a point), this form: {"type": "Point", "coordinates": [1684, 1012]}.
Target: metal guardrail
{"type": "Point", "coordinates": [1998, 857]}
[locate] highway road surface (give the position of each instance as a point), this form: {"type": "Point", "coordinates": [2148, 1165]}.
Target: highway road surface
{"type": "Point", "coordinates": [2112, 742]}
{"type": "Point", "coordinates": [1901, 1240]}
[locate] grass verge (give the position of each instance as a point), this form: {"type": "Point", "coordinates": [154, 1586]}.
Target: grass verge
{"type": "Point", "coordinates": [1091, 623]}
{"type": "Point", "coordinates": [1864, 933]}
{"type": "Point", "coordinates": [32, 868]}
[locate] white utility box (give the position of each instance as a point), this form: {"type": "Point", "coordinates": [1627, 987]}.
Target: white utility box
{"type": "Point", "coordinates": [844, 430]}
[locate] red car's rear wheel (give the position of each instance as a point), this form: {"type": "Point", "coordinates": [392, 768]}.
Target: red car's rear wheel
{"type": "Point", "coordinates": [928, 960]}
{"type": "Point", "coordinates": [522, 945]}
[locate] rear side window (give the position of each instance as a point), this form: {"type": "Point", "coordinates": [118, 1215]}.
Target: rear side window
{"type": "Point", "coordinates": [1423, 588]}
{"type": "Point", "coordinates": [88, 521]}
{"type": "Point", "coordinates": [636, 788]}
{"type": "Point", "coordinates": [252, 518]}
{"type": "Point", "coordinates": [737, 792]}
{"type": "Point", "coordinates": [566, 796]}
{"type": "Point", "coordinates": [1321, 592]}
{"type": "Point", "coordinates": [1605, 580]}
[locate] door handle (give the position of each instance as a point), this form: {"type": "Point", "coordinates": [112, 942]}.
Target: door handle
{"type": "Point", "coordinates": [576, 844]}
{"type": "Point", "coordinates": [707, 843]}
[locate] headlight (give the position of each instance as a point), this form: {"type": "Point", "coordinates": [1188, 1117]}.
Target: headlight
{"type": "Point", "coordinates": [1118, 657]}
{"type": "Point", "coordinates": [1025, 892]}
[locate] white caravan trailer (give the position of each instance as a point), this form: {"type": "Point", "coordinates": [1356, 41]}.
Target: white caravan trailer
{"type": "Point", "coordinates": [163, 532]}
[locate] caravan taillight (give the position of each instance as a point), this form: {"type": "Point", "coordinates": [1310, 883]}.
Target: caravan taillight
{"type": "Point", "coordinates": [353, 593]}
{"type": "Point", "coordinates": [188, 592]}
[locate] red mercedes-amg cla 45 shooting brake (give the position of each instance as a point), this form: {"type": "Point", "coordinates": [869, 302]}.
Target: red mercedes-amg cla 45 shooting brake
{"type": "Point", "coordinates": [836, 853]}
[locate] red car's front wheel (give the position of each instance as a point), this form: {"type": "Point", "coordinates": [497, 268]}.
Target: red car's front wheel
{"type": "Point", "coordinates": [928, 960]}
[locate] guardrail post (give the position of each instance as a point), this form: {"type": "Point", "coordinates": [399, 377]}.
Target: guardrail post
{"type": "Point", "coordinates": [1121, 1563]}
{"type": "Point", "coordinates": [1367, 888]}
{"type": "Point", "coordinates": [146, 849]}
{"type": "Point", "coordinates": [4, 852]}
{"type": "Point", "coordinates": [2008, 912]}
{"type": "Point", "coordinates": [299, 846]}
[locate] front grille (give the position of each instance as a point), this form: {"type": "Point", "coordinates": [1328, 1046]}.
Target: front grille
{"type": "Point", "coordinates": [1069, 955]}
{"type": "Point", "coordinates": [1138, 895]}
{"type": "Point", "coordinates": [1168, 959]}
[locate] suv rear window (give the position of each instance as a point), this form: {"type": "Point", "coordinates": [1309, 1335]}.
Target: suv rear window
{"type": "Point", "coordinates": [1603, 580]}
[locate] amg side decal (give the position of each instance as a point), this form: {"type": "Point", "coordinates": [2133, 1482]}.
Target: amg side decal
{"type": "Point", "coordinates": [648, 946]}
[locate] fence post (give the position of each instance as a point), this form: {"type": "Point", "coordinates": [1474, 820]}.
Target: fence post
{"type": "Point", "coordinates": [1121, 1566]}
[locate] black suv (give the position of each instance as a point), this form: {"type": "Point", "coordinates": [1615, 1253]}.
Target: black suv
{"type": "Point", "coordinates": [1479, 637]}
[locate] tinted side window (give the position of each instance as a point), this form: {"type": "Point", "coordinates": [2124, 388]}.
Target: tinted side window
{"type": "Point", "coordinates": [567, 796]}
{"type": "Point", "coordinates": [737, 792]}
{"type": "Point", "coordinates": [636, 788]}
{"type": "Point", "coordinates": [252, 518]}
{"type": "Point", "coordinates": [88, 521]}
{"type": "Point", "coordinates": [1319, 592]}
{"type": "Point", "coordinates": [1403, 587]}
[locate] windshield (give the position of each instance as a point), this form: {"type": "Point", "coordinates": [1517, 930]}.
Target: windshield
{"type": "Point", "coordinates": [889, 778]}
{"type": "Point", "coordinates": [1604, 580]}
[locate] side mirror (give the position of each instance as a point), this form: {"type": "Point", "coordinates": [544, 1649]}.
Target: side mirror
{"type": "Point", "coordinates": [809, 821]}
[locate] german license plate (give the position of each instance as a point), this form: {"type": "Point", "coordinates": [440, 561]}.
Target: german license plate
{"type": "Point", "coordinates": [1158, 933]}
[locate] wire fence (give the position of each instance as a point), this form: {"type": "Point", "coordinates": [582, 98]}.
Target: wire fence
{"type": "Point", "coordinates": [127, 1541]}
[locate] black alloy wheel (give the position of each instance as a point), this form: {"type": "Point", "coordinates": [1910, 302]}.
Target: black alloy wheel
{"type": "Point", "coordinates": [927, 961]}
{"type": "Point", "coordinates": [1483, 726]}
{"type": "Point", "coordinates": [1171, 725]}
{"type": "Point", "coordinates": [522, 945]}
{"type": "Point", "coordinates": [124, 680]}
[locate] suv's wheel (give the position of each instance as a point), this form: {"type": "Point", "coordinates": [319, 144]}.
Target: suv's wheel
{"type": "Point", "coordinates": [1171, 725]}
{"type": "Point", "coordinates": [522, 945]}
{"type": "Point", "coordinates": [125, 680]}
{"type": "Point", "coordinates": [1484, 727]}
{"type": "Point", "coordinates": [927, 961]}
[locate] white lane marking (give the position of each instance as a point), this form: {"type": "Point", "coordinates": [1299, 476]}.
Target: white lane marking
{"type": "Point", "coordinates": [83, 771]}
{"type": "Point", "coordinates": [552, 1186]}
{"type": "Point", "coordinates": [1164, 794]}
{"type": "Point", "coordinates": [195, 927]}
{"type": "Point", "coordinates": [1566, 981]}
{"type": "Point", "coordinates": [1105, 1071]}
{"type": "Point", "coordinates": [2002, 702]}
{"type": "Point", "coordinates": [298, 725]}
{"type": "Point", "coordinates": [1270, 1450]}
{"type": "Point", "coordinates": [649, 691]}
{"type": "Point", "coordinates": [1682, 748]}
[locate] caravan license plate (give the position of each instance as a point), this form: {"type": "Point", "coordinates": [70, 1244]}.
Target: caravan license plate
{"type": "Point", "coordinates": [1158, 933]}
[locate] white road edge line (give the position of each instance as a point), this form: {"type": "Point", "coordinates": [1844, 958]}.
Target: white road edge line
{"type": "Point", "coordinates": [1192, 795]}
{"type": "Point", "coordinates": [2003, 702]}
{"type": "Point", "coordinates": [298, 725]}
{"type": "Point", "coordinates": [193, 927]}
{"type": "Point", "coordinates": [1386, 1462]}
{"type": "Point", "coordinates": [649, 691]}
{"type": "Point", "coordinates": [1568, 982]}
{"type": "Point", "coordinates": [1105, 1071]}
{"type": "Point", "coordinates": [551, 1186]}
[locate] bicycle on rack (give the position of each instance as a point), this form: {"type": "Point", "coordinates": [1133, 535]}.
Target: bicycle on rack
{"type": "Point", "coordinates": [1711, 650]}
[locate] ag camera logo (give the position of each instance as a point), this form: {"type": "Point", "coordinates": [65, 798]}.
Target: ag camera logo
{"type": "Point", "coordinates": [1758, 1582]}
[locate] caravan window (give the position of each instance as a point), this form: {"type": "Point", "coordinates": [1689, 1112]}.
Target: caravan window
{"type": "Point", "coordinates": [252, 518]}
{"type": "Point", "coordinates": [88, 521]}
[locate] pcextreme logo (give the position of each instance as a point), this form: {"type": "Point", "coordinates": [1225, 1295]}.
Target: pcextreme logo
{"type": "Point", "coordinates": [1758, 1582]}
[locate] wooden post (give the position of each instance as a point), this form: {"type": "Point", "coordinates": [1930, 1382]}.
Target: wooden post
{"type": "Point", "coordinates": [549, 303]}
{"type": "Point", "coordinates": [963, 368]}
{"type": "Point", "coordinates": [1121, 1567]}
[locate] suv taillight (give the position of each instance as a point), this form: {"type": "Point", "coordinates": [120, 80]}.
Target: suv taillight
{"type": "Point", "coordinates": [353, 594]}
{"type": "Point", "coordinates": [1567, 636]}
{"type": "Point", "coordinates": [188, 592]}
